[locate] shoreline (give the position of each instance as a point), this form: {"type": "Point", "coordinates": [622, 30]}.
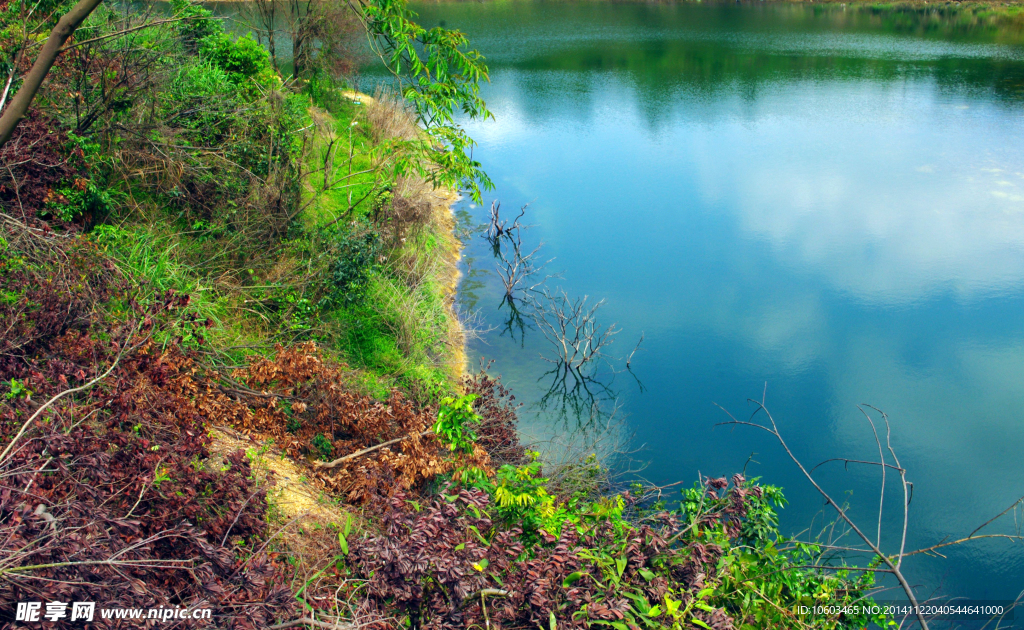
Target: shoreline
{"type": "Point", "coordinates": [459, 359]}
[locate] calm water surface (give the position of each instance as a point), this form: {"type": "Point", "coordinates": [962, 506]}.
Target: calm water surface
{"type": "Point", "coordinates": [827, 202]}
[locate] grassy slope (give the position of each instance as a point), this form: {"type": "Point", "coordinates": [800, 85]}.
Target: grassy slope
{"type": "Point", "coordinates": [404, 334]}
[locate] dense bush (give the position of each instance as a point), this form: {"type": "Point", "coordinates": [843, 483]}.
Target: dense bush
{"type": "Point", "coordinates": [438, 565]}
{"type": "Point", "coordinates": [42, 158]}
{"type": "Point", "coordinates": [512, 555]}
{"type": "Point", "coordinates": [242, 58]}
{"type": "Point", "coordinates": [205, 101]}
{"type": "Point", "coordinates": [197, 23]}
{"type": "Point", "coordinates": [358, 249]}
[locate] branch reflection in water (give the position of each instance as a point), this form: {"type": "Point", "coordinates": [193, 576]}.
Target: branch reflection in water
{"type": "Point", "coordinates": [580, 393]}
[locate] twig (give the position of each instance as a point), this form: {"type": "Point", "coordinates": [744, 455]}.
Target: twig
{"type": "Point", "coordinates": [960, 542]}
{"type": "Point", "coordinates": [44, 406]}
{"type": "Point", "coordinates": [126, 31]}
{"type": "Point", "coordinates": [881, 496]}
{"type": "Point", "coordinates": [853, 461]}
{"type": "Point", "coordinates": [982, 526]}
{"type": "Point", "coordinates": [629, 359]}
{"type": "Point", "coordinates": [484, 592]}
{"type": "Point", "coordinates": [240, 510]}
{"type": "Point", "coordinates": [903, 481]}
{"type": "Point", "coordinates": [124, 563]}
{"type": "Point", "coordinates": [842, 513]}
{"type": "Point", "coordinates": [269, 540]}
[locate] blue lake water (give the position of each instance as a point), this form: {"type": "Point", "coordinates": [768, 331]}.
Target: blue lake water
{"type": "Point", "coordinates": [817, 205]}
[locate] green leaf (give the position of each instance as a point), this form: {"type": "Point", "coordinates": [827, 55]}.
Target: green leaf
{"type": "Point", "coordinates": [700, 623]}
{"type": "Point", "coordinates": [620, 565]}
{"type": "Point", "coordinates": [343, 543]}
{"type": "Point", "coordinates": [654, 611]}
{"type": "Point", "coordinates": [571, 579]}
{"type": "Point", "coordinates": [552, 623]}
{"type": "Point", "coordinates": [641, 602]}
{"type": "Point", "coordinates": [476, 531]}
{"type": "Point", "coordinates": [646, 574]}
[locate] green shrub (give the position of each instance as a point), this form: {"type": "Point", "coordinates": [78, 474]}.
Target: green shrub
{"type": "Point", "coordinates": [358, 249]}
{"type": "Point", "coordinates": [81, 197]}
{"type": "Point", "coordinates": [453, 420]}
{"type": "Point", "coordinates": [242, 58]}
{"type": "Point", "coordinates": [324, 90]}
{"type": "Point", "coordinates": [196, 23]}
{"type": "Point", "coordinates": [763, 576]}
{"type": "Point", "coordinates": [202, 98]}
{"type": "Point", "coordinates": [322, 446]}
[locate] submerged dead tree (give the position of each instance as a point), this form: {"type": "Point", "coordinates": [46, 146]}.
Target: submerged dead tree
{"type": "Point", "coordinates": [570, 324]}
{"type": "Point", "coordinates": [518, 270]}
{"type": "Point", "coordinates": [496, 228]}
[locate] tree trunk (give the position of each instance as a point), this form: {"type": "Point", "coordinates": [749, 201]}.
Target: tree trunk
{"type": "Point", "coordinates": [58, 36]}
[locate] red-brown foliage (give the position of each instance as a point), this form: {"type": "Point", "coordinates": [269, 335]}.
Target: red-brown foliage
{"type": "Point", "coordinates": [49, 286]}
{"type": "Point", "coordinates": [297, 396]}
{"type": "Point", "coordinates": [498, 432]}
{"type": "Point", "coordinates": [431, 564]}
{"type": "Point", "coordinates": [37, 158]}
{"type": "Point", "coordinates": [110, 497]}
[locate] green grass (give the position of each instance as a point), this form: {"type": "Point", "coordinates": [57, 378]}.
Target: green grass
{"type": "Point", "coordinates": [396, 337]}
{"type": "Point", "coordinates": [352, 153]}
{"type": "Point", "coordinates": [149, 258]}
{"type": "Point", "coordinates": [398, 334]}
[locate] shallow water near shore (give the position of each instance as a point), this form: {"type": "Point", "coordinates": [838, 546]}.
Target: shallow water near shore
{"type": "Point", "coordinates": [818, 206]}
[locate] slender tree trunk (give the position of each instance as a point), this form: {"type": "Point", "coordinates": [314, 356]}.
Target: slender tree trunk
{"type": "Point", "coordinates": [298, 32]}
{"type": "Point", "coordinates": [58, 36]}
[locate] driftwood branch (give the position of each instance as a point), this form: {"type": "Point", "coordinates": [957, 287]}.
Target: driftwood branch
{"type": "Point", "coordinates": [341, 460]}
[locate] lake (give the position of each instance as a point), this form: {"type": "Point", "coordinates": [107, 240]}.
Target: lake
{"type": "Point", "coordinates": [816, 205]}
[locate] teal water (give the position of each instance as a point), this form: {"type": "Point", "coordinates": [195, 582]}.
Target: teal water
{"type": "Point", "coordinates": [817, 205]}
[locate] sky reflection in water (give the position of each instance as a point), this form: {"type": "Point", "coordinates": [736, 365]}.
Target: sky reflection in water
{"type": "Point", "coordinates": [816, 200]}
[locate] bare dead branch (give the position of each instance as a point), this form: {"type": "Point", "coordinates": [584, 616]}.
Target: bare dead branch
{"type": "Point", "coordinates": [893, 566]}
{"type": "Point", "coordinates": [571, 327]}
{"type": "Point", "coordinates": [629, 359]}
